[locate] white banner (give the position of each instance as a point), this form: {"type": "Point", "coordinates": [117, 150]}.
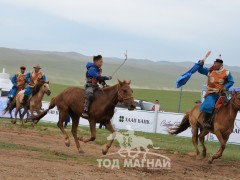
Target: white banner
{"type": "Point", "coordinates": [137, 120]}
{"type": "Point", "coordinates": [3, 105]}
{"type": "Point", "coordinates": [167, 120]}
{"type": "Point", "coordinates": [53, 115]}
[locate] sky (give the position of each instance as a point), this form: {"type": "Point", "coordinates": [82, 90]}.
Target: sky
{"type": "Point", "coordinates": [158, 30]}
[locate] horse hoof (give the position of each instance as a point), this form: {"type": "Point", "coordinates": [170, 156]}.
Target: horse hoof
{"type": "Point", "coordinates": [67, 143]}
{"type": "Point", "coordinates": [80, 138]}
{"type": "Point", "coordinates": [199, 157]}
{"type": "Point", "coordinates": [13, 121]}
{"type": "Point", "coordinates": [104, 152]}
{"type": "Point", "coordinates": [81, 151]}
{"type": "Point", "coordinates": [209, 161]}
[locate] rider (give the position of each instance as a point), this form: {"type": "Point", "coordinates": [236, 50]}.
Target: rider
{"type": "Point", "coordinates": [33, 78]}
{"type": "Point", "coordinates": [219, 81]}
{"type": "Point", "coordinates": [93, 77]}
{"type": "Point", "coordinates": [18, 81]}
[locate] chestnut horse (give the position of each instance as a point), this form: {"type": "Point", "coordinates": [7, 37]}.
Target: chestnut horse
{"type": "Point", "coordinates": [71, 101]}
{"type": "Point", "coordinates": [34, 104]}
{"type": "Point", "coordinates": [223, 124]}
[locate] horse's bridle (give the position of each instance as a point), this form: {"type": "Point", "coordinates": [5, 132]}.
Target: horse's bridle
{"type": "Point", "coordinates": [123, 98]}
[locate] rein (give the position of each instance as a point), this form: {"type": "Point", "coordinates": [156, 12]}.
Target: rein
{"type": "Point", "coordinates": [234, 105]}
{"type": "Point", "coordinates": [122, 96]}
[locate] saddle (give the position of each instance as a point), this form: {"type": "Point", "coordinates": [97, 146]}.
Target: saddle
{"type": "Point", "coordinates": [219, 102]}
{"type": "Point", "coordinates": [218, 105]}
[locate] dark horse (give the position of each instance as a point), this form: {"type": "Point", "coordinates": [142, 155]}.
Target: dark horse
{"type": "Point", "coordinates": [71, 101]}
{"type": "Point", "coordinates": [223, 122]}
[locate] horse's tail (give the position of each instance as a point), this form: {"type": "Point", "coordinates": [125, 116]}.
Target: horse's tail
{"type": "Point", "coordinates": [181, 127]}
{"type": "Point", "coordinates": [42, 114]}
{"type": "Point", "coordinates": [10, 107]}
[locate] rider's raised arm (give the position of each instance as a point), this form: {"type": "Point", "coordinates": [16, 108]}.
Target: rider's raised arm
{"type": "Point", "coordinates": [230, 81]}
{"type": "Point", "coordinates": [203, 70]}
{"type": "Point", "coordinates": [14, 80]}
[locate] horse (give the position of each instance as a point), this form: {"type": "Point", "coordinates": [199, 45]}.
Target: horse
{"type": "Point", "coordinates": [71, 101]}
{"type": "Point", "coordinates": [223, 124]}
{"type": "Point", "coordinates": [34, 103]}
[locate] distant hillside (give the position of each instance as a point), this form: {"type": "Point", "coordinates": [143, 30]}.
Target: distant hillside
{"type": "Point", "coordinates": [69, 68]}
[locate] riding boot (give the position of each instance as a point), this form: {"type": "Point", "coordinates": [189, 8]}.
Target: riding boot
{"type": "Point", "coordinates": [86, 107]}
{"type": "Point", "coordinates": [207, 121]}
{"type": "Point", "coordinates": [24, 101]}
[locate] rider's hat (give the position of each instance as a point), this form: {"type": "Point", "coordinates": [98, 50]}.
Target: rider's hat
{"type": "Point", "coordinates": [37, 67]}
{"type": "Point", "coordinates": [22, 67]}
{"type": "Point", "coordinates": [219, 60]}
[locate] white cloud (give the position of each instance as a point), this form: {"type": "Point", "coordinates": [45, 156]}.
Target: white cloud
{"type": "Point", "coordinates": [186, 20]}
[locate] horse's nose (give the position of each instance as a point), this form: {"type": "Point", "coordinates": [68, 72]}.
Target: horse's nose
{"type": "Point", "coordinates": [132, 107]}
{"type": "Point", "coordinates": [48, 92]}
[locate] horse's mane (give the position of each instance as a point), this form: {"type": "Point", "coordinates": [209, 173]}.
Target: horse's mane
{"type": "Point", "coordinates": [37, 87]}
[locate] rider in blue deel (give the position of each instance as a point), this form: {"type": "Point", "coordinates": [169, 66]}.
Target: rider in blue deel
{"type": "Point", "coordinates": [93, 77]}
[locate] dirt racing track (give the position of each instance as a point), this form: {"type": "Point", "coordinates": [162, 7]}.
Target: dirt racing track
{"type": "Point", "coordinates": [27, 153]}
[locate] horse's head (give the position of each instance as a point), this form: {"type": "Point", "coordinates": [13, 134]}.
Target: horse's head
{"type": "Point", "coordinates": [125, 94]}
{"type": "Point", "coordinates": [236, 99]}
{"type": "Point", "coordinates": [44, 88]}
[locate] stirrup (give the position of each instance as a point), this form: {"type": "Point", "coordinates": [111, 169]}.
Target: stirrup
{"type": "Point", "coordinates": [207, 125]}
{"type": "Point", "coordinates": [85, 115]}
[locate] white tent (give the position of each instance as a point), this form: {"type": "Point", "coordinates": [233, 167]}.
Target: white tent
{"type": "Point", "coordinates": [5, 82]}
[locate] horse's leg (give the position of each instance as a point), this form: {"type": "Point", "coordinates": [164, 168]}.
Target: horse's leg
{"type": "Point", "coordinates": [195, 138]}
{"type": "Point", "coordinates": [201, 139]}
{"type": "Point", "coordinates": [93, 132]}
{"type": "Point", "coordinates": [109, 127]}
{"type": "Point", "coordinates": [16, 113]}
{"type": "Point", "coordinates": [62, 116]}
{"type": "Point", "coordinates": [35, 122]}
{"type": "Point", "coordinates": [22, 116]}
{"type": "Point", "coordinates": [222, 141]}
{"type": "Point", "coordinates": [75, 122]}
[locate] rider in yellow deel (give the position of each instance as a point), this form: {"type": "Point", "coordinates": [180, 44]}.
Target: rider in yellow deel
{"type": "Point", "coordinates": [219, 81]}
{"type": "Point", "coordinates": [18, 81]}
{"type": "Point", "coordinates": [33, 78]}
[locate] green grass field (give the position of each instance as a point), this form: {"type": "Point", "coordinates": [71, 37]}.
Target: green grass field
{"type": "Point", "coordinates": [170, 144]}
{"type": "Point", "coordinates": [168, 99]}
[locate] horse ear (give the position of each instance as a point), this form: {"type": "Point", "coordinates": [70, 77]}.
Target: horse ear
{"type": "Point", "coordinates": [129, 82]}
{"type": "Point", "coordinates": [47, 82]}
{"type": "Point", "coordinates": [120, 82]}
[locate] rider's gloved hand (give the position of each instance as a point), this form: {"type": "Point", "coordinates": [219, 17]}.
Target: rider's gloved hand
{"type": "Point", "coordinates": [201, 62]}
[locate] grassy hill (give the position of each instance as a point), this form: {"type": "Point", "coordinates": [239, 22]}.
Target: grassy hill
{"type": "Point", "coordinates": [69, 68]}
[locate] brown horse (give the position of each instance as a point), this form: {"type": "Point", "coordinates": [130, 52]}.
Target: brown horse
{"type": "Point", "coordinates": [70, 102]}
{"type": "Point", "coordinates": [34, 104]}
{"type": "Point", "coordinates": [223, 123]}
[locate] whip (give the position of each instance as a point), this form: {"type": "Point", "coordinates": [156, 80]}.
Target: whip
{"type": "Point", "coordinates": [120, 64]}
